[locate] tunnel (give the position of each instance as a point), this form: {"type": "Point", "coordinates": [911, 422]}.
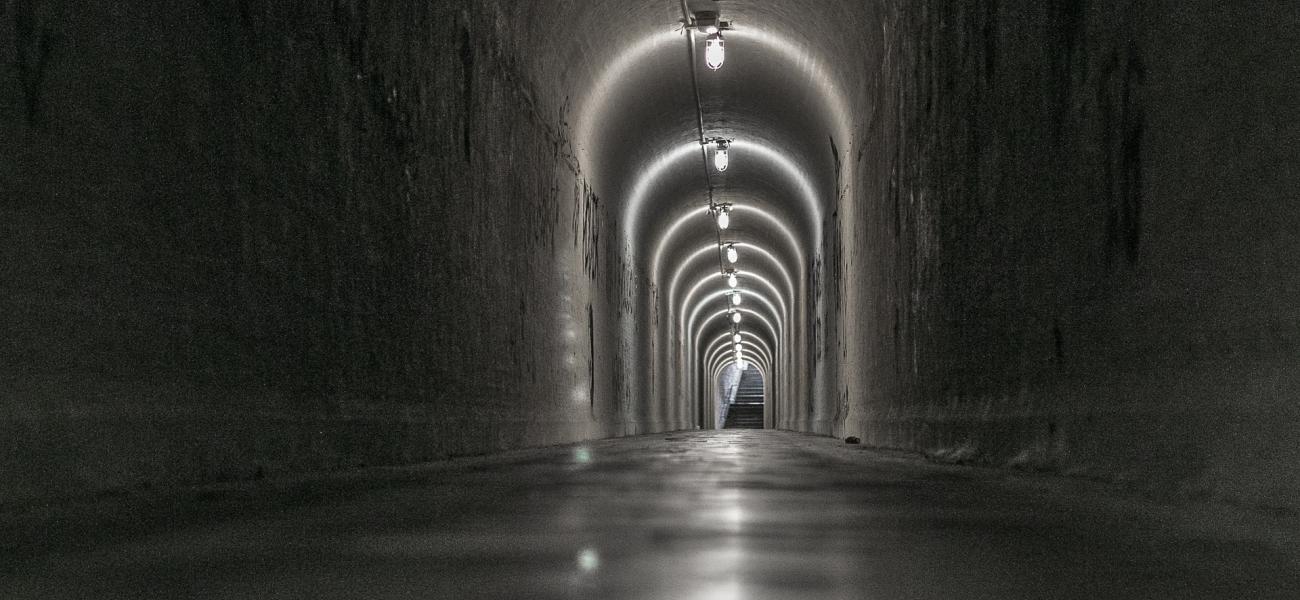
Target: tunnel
{"type": "Point", "coordinates": [889, 257]}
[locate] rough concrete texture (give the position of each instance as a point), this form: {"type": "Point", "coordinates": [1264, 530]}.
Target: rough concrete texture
{"type": "Point", "coordinates": [241, 238]}
{"type": "Point", "coordinates": [1077, 246]}
{"type": "Point", "coordinates": [245, 238]}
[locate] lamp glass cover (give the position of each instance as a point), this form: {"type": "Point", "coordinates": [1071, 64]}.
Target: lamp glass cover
{"type": "Point", "coordinates": [720, 159]}
{"type": "Point", "coordinates": [715, 52]}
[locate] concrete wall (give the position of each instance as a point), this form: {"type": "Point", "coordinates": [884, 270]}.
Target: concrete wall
{"type": "Point", "coordinates": [246, 238]}
{"type": "Point", "coordinates": [1077, 244]}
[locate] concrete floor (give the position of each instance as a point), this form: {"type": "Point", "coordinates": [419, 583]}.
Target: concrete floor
{"type": "Point", "coordinates": [727, 514]}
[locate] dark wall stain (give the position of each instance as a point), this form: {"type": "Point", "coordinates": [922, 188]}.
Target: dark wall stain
{"type": "Point", "coordinates": [1122, 124]}
{"type": "Point", "coordinates": [593, 221]}
{"type": "Point", "coordinates": [1069, 22]}
{"type": "Point", "coordinates": [1132, 123]}
{"type": "Point", "coordinates": [835, 154]}
{"type": "Point", "coordinates": [591, 362]}
{"type": "Point", "coordinates": [34, 45]}
{"type": "Point", "coordinates": [990, 35]}
{"type": "Point", "coordinates": [1058, 343]}
{"type": "Point", "coordinates": [467, 89]}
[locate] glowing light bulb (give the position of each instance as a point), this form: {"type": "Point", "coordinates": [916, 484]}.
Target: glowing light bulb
{"type": "Point", "coordinates": [720, 158]}
{"type": "Point", "coordinates": [715, 51]}
{"type": "Point", "coordinates": [735, 338]}
{"type": "Point", "coordinates": [711, 29]}
{"type": "Point", "coordinates": [732, 255]}
{"type": "Point", "coordinates": [737, 346]}
{"type": "Point", "coordinates": [724, 217]}
{"type": "Point", "coordinates": [731, 280]}
{"type": "Point", "coordinates": [735, 317]}
{"type": "Point", "coordinates": [735, 299]}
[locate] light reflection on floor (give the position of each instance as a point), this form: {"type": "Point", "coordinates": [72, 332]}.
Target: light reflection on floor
{"type": "Point", "coordinates": [717, 515]}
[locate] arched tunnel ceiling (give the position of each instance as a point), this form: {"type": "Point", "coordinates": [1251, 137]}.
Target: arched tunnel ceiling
{"type": "Point", "coordinates": [755, 320]}
{"type": "Point", "coordinates": [760, 178]}
{"type": "Point", "coordinates": [721, 355]}
{"type": "Point", "coordinates": [758, 259]}
{"type": "Point", "coordinates": [644, 102]}
{"type": "Point", "coordinates": [758, 297]}
{"type": "Point", "coordinates": [750, 226]}
{"type": "Point", "coordinates": [637, 131]}
{"type": "Point", "coordinates": [718, 349]}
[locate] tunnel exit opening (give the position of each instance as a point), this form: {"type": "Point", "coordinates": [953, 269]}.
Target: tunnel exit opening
{"type": "Point", "coordinates": [743, 398]}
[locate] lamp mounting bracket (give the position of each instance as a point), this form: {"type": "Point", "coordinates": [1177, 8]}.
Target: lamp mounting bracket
{"type": "Point", "coordinates": [704, 19]}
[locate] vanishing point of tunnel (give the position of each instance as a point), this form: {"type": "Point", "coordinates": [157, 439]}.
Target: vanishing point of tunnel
{"type": "Point", "coordinates": [650, 299]}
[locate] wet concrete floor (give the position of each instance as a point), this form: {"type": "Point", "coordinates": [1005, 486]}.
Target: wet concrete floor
{"type": "Point", "coordinates": [716, 515]}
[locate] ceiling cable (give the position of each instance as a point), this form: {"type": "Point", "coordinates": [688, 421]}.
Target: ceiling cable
{"type": "Point", "coordinates": [716, 211]}
{"type": "Point", "coordinates": [699, 123]}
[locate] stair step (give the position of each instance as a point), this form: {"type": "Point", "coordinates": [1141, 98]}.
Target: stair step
{"type": "Point", "coordinates": [746, 411]}
{"type": "Point", "coordinates": [745, 416]}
